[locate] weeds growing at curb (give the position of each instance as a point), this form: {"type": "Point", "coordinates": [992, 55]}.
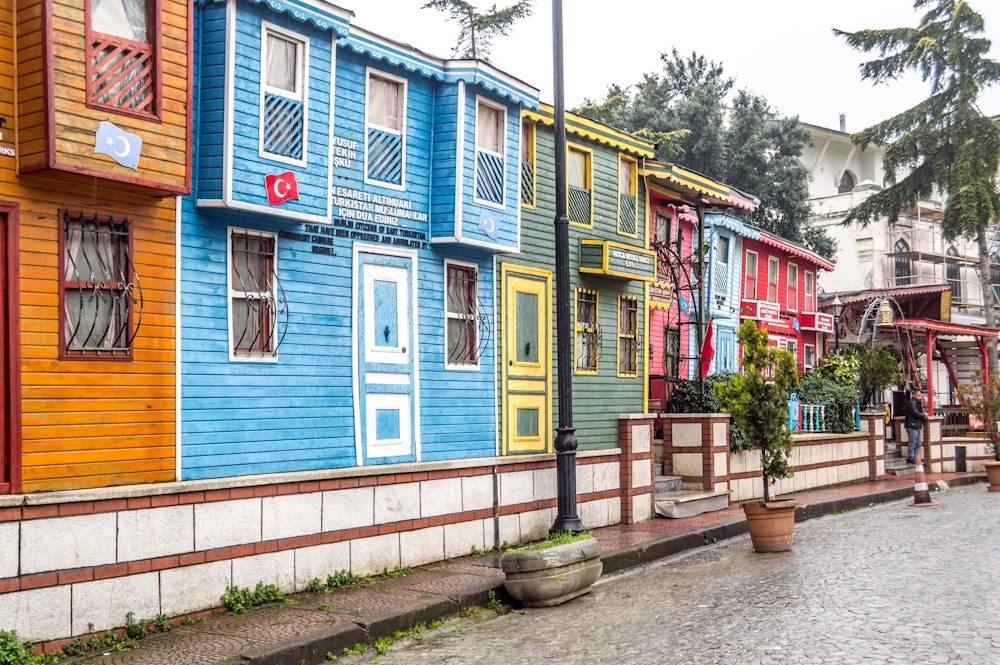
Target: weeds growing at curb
{"type": "Point", "coordinates": [239, 600]}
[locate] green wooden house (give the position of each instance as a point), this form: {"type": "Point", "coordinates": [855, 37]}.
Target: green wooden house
{"type": "Point", "coordinates": [610, 268]}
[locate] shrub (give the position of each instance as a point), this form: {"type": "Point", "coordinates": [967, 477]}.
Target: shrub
{"type": "Point", "coordinates": [838, 398]}
{"type": "Point", "coordinates": [700, 397]}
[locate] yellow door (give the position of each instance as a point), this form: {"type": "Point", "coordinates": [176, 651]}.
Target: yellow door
{"type": "Point", "coordinates": [526, 358]}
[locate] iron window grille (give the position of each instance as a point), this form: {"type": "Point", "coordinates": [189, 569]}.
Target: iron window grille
{"type": "Point", "coordinates": [468, 330]}
{"type": "Point", "coordinates": [588, 331]}
{"type": "Point", "coordinates": [101, 294]}
{"type": "Point", "coordinates": [258, 307]}
{"type": "Point", "coordinates": [122, 59]}
{"type": "Point", "coordinates": [629, 339]}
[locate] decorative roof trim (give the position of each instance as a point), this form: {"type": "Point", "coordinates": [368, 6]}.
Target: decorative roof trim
{"type": "Point", "coordinates": [690, 180]}
{"type": "Point", "coordinates": [322, 14]}
{"type": "Point", "coordinates": [796, 250]}
{"type": "Point", "coordinates": [852, 297]}
{"type": "Point", "coordinates": [735, 225]}
{"type": "Point", "coordinates": [594, 131]}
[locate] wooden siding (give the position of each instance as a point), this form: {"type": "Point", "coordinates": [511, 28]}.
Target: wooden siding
{"type": "Point", "coordinates": [599, 398]}
{"type": "Point", "coordinates": [444, 161]}
{"type": "Point", "coordinates": [85, 423]}
{"type": "Point", "coordinates": [210, 92]}
{"type": "Point", "coordinates": [56, 128]}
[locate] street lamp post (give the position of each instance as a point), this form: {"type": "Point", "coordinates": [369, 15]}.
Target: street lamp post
{"type": "Point", "coordinates": [838, 307]}
{"type": "Point", "coordinates": [565, 443]}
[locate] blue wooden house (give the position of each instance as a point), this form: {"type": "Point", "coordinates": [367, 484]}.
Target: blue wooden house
{"type": "Point", "coordinates": [336, 260]}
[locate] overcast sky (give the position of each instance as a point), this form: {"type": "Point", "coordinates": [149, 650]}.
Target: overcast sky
{"type": "Point", "coordinates": [783, 50]}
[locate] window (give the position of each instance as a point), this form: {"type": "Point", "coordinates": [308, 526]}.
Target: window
{"type": "Point", "coordinates": [462, 312]}
{"type": "Point", "coordinates": [384, 126]}
{"type": "Point", "coordinates": [661, 229]}
{"type": "Point", "coordinates": [99, 291]}
{"type": "Point", "coordinates": [793, 348]}
{"type": "Point", "coordinates": [671, 351]}
{"type": "Point", "coordinates": [491, 124]}
{"type": "Point", "coordinates": [252, 295]}
{"type": "Point", "coordinates": [846, 183]}
{"type": "Point", "coordinates": [792, 288]}
{"type": "Point", "coordinates": [628, 335]}
{"type": "Point", "coordinates": [809, 354]}
{"type": "Point", "coordinates": [627, 187]}
{"type": "Point", "coordinates": [283, 109]}
{"type": "Point", "coordinates": [528, 163]}
{"type": "Point", "coordinates": [123, 58]}
{"type": "Point", "coordinates": [810, 292]}
{"type": "Point", "coordinates": [901, 264]}
{"type": "Point", "coordinates": [720, 271]}
{"type": "Point", "coordinates": [995, 277]}
{"type": "Point", "coordinates": [772, 279]}
{"type": "Point", "coordinates": [579, 185]}
{"type": "Point", "coordinates": [750, 276]}
{"type": "Point", "coordinates": [588, 341]}
{"type": "Point", "coordinates": [953, 274]}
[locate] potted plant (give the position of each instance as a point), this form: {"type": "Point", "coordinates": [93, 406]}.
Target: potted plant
{"type": "Point", "coordinates": [982, 397]}
{"type": "Point", "coordinates": [757, 401]}
{"type": "Point", "coordinates": [552, 571]}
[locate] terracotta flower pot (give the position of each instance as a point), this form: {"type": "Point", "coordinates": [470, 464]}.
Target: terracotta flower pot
{"type": "Point", "coordinates": [771, 524]}
{"type": "Point", "coordinates": [545, 577]}
{"type": "Point", "coordinates": [993, 475]}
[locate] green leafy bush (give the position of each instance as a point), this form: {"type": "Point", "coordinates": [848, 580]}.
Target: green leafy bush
{"type": "Point", "coordinates": [838, 398]}
{"type": "Point", "coordinates": [12, 650]}
{"type": "Point", "coordinates": [699, 397]}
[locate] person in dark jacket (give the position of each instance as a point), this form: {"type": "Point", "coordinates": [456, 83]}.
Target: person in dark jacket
{"type": "Point", "coordinates": [914, 425]}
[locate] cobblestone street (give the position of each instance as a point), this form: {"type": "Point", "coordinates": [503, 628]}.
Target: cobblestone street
{"type": "Point", "coordinates": [885, 584]}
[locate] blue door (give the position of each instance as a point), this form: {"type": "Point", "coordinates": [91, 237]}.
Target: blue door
{"type": "Point", "coordinates": [386, 406]}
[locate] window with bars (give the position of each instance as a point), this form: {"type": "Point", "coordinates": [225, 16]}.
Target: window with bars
{"type": "Point", "coordinates": [462, 331]}
{"type": "Point", "coordinates": [101, 296]}
{"type": "Point", "coordinates": [901, 264]}
{"type": "Point", "coordinates": [384, 132]}
{"type": "Point", "coordinates": [579, 179]}
{"type": "Point", "coordinates": [750, 276]}
{"type": "Point", "coordinates": [491, 123]}
{"type": "Point", "coordinates": [627, 188]}
{"type": "Point", "coordinates": [283, 111]}
{"type": "Point", "coordinates": [671, 351]}
{"type": "Point", "coordinates": [792, 288]}
{"type": "Point", "coordinates": [527, 163]}
{"type": "Point", "coordinates": [628, 335]}
{"type": "Point", "coordinates": [588, 340]}
{"type": "Point", "coordinates": [253, 297]}
{"type": "Point", "coordinates": [121, 63]}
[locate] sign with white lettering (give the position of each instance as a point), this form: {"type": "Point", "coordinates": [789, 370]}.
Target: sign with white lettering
{"type": "Point", "coordinates": [606, 257]}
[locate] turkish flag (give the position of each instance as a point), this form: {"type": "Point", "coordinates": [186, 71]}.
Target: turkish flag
{"type": "Point", "coordinates": [281, 187]}
{"type": "Point", "coordinates": [707, 349]}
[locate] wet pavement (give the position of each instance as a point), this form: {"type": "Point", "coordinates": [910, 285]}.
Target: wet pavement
{"type": "Point", "coordinates": [697, 609]}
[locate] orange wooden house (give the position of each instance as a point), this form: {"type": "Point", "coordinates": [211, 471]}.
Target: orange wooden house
{"type": "Point", "coordinates": [94, 149]}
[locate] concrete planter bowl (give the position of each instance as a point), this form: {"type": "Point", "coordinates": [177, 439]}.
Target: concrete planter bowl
{"type": "Point", "coordinates": [551, 576]}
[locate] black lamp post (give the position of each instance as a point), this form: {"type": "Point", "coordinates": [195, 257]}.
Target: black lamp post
{"type": "Point", "coordinates": [838, 307]}
{"type": "Point", "coordinates": [565, 443]}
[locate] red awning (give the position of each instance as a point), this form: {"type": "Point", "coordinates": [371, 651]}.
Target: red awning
{"type": "Point", "coordinates": [897, 292]}
{"type": "Point", "coordinates": [945, 327]}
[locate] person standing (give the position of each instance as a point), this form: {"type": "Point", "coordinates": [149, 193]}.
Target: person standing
{"type": "Point", "coordinates": [914, 425]}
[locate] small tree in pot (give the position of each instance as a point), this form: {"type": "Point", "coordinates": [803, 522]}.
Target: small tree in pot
{"type": "Point", "coordinates": [757, 401]}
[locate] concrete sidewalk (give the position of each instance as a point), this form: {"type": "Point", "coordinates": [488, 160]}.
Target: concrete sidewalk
{"type": "Point", "coordinates": [311, 625]}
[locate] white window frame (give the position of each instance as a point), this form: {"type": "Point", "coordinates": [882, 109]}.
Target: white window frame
{"type": "Point", "coordinates": [449, 315]}
{"type": "Point", "coordinates": [792, 304]}
{"type": "Point", "coordinates": [792, 346]}
{"type": "Point", "coordinates": [300, 94]}
{"type": "Point", "coordinates": [232, 293]}
{"type": "Point", "coordinates": [746, 277]}
{"type": "Point", "coordinates": [378, 73]}
{"type": "Point", "coordinates": [808, 353]}
{"type": "Point", "coordinates": [773, 261]}
{"type": "Point", "coordinates": [810, 292]}
{"type": "Point", "coordinates": [481, 102]}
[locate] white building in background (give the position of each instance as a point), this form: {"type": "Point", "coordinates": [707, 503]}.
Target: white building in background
{"type": "Point", "coordinates": [935, 280]}
{"type": "Point", "coordinates": [912, 252]}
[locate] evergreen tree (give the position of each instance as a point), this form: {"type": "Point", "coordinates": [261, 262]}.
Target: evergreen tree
{"type": "Point", "coordinates": [479, 28]}
{"type": "Point", "coordinates": [944, 143]}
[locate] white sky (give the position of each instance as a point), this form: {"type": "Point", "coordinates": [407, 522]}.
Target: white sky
{"type": "Point", "coordinates": [784, 50]}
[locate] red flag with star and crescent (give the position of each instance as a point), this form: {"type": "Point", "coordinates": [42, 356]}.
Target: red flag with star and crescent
{"type": "Point", "coordinates": [281, 187]}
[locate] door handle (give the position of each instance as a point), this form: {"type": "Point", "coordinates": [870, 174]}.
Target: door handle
{"type": "Point", "coordinates": [386, 333]}
{"type": "Point", "coordinates": [527, 349]}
